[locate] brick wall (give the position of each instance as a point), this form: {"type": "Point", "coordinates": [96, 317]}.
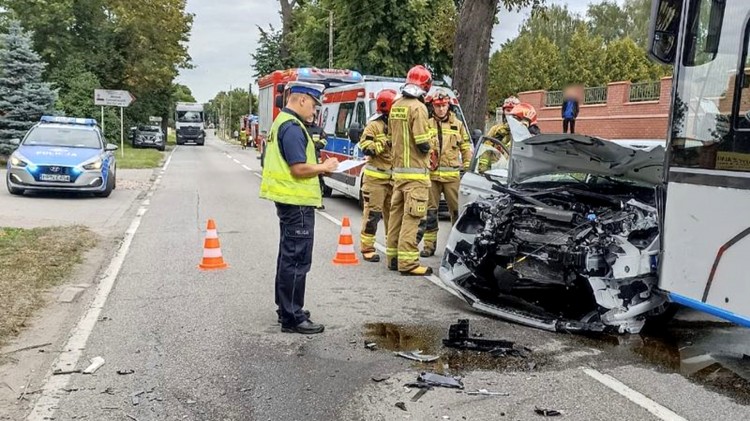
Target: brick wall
{"type": "Point", "coordinates": [617, 119]}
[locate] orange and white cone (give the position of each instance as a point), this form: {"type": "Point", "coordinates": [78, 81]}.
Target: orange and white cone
{"type": "Point", "coordinates": [212, 258]}
{"type": "Point", "coordinates": [345, 254]}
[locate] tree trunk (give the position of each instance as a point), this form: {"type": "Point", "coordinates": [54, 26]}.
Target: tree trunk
{"type": "Point", "coordinates": [471, 56]}
{"type": "Point", "coordinates": [287, 7]}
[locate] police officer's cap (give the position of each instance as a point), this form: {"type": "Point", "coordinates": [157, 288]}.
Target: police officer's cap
{"type": "Point", "coordinates": [315, 90]}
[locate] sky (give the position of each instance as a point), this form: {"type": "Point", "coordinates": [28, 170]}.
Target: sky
{"type": "Point", "coordinates": [225, 33]}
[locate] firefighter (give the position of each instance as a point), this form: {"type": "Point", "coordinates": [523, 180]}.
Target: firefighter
{"type": "Point", "coordinates": [501, 132]}
{"type": "Point", "coordinates": [409, 128]}
{"type": "Point", "coordinates": [319, 138]}
{"type": "Point", "coordinates": [377, 185]}
{"type": "Point", "coordinates": [526, 114]}
{"type": "Point", "coordinates": [451, 154]}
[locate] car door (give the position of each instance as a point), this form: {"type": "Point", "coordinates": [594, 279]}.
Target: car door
{"type": "Point", "coordinates": [489, 166]}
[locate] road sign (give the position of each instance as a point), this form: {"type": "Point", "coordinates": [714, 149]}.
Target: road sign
{"type": "Point", "coordinates": [109, 98]}
{"type": "Point", "coordinates": [153, 119]}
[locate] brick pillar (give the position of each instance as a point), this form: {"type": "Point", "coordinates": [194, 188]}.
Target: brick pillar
{"type": "Point", "coordinates": [665, 91]}
{"type": "Point", "coordinates": [535, 98]}
{"type": "Point", "coordinates": [618, 93]}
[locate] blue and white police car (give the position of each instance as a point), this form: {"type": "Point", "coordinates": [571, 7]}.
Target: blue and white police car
{"type": "Point", "coordinates": [63, 154]}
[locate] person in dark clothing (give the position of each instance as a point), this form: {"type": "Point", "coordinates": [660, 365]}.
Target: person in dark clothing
{"type": "Point", "coordinates": [569, 114]}
{"type": "Point", "coordinates": [320, 140]}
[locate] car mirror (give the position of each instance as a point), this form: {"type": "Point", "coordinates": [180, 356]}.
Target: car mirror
{"type": "Point", "coordinates": [110, 147]}
{"type": "Point", "coordinates": [663, 31]}
{"type": "Point", "coordinates": [355, 132]}
{"type": "Point", "coordinates": [15, 142]}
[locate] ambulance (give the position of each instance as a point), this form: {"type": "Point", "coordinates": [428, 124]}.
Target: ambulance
{"type": "Point", "coordinates": [271, 90]}
{"type": "Point", "coordinates": [349, 105]}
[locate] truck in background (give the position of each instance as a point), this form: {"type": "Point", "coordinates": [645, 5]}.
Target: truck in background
{"type": "Point", "coordinates": [190, 123]}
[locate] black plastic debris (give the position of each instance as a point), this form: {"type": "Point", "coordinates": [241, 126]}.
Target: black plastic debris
{"type": "Point", "coordinates": [125, 372]}
{"type": "Point", "coordinates": [547, 412]}
{"type": "Point", "coordinates": [420, 393]}
{"type": "Point", "coordinates": [460, 338]}
{"type": "Point", "coordinates": [428, 380]}
{"type": "Point", "coordinates": [401, 406]}
{"type": "Point", "coordinates": [372, 346]}
{"type": "Point", "coordinates": [380, 378]}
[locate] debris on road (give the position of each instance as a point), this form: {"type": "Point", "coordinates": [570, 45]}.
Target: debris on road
{"type": "Point", "coordinates": [547, 412]}
{"type": "Point", "coordinates": [380, 378]}
{"type": "Point", "coordinates": [131, 417]}
{"type": "Point", "coordinates": [136, 397]}
{"type": "Point", "coordinates": [125, 372]}
{"type": "Point", "coordinates": [401, 406]}
{"type": "Point", "coordinates": [418, 356]}
{"type": "Point", "coordinates": [28, 348]}
{"type": "Point", "coordinates": [60, 372]}
{"type": "Point", "coordinates": [459, 338]}
{"type": "Point", "coordinates": [420, 393]}
{"type": "Point", "coordinates": [485, 392]}
{"type": "Point", "coordinates": [108, 391]}
{"type": "Point", "coordinates": [96, 363]}
{"type": "Point", "coordinates": [372, 346]}
{"type": "Point", "coordinates": [427, 380]}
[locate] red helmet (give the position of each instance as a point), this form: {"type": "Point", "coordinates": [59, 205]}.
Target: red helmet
{"type": "Point", "coordinates": [384, 100]}
{"type": "Point", "coordinates": [524, 111]}
{"type": "Point", "coordinates": [509, 103]}
{"type": "Point", "coordinates": [420, 76]}
{"type": "Point", "coordinates": [441, 98]}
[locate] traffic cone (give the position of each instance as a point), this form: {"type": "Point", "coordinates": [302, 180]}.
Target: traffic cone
{"type": "Point", "coordinates": [345, 254]}
{"type": "Point", "coordinates": [211, 250]}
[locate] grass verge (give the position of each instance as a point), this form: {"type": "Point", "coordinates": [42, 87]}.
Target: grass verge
{"type": "Point", "coordinates": [139, 158]}
{"type": "Point", "coordinates": [31, 262]}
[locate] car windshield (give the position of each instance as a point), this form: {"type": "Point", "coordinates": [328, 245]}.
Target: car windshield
{"type": "Point", "coordinates": [63, 136]}
{"type": "Point", "coordinates": [189, 116]}
{"type": "Point", "coordinates": [149, 129]}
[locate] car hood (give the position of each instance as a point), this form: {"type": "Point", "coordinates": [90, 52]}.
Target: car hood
{"type": "Point", "coordinates": [52, 155]}
{"type": "Point", "coordinates": [559, 153]}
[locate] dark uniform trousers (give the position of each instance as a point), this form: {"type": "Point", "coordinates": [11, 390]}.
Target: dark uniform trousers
{"type": "Point", "coordinates": [297, 225]}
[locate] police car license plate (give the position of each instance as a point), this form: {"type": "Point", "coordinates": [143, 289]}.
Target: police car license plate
{"type": "Point", "coordinates": [55, 177]}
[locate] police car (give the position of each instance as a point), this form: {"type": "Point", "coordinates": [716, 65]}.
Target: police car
{"type": "Point", "coordinates": [63, 154]}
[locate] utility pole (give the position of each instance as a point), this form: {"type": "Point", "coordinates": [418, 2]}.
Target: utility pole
{"type": "Point", "coordinates": [250, 100]}
{"type": "Point", "coordinates": [330, 39]}
{"type": "Point", "coordinates": [230, 111]}
{"type": "Point", "coordinates": [221, 118]}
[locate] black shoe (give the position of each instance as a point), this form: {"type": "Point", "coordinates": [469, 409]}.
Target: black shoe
{"type": "Point", "coordinates": [427, 253]}
{"type": "Point", "coordinates": [393, 264]}
{"type": "Point", "coordinates": [371, 257]}
{"type": "Point", "coordinates": [278, 313]}
{"type": "Point", "coordinates": [306, 328]}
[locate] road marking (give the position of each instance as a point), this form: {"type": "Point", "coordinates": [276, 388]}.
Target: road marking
{"type": "Point", "coordinates": [236, 161]}
{"type": "Point", "coordinates": [258, 175]}
{"type": "Point", "coordinates": [246, 167]}
{"type": "Point", "coordinates": [381, 248]}
{"type": "Point", "coordinates": [229, 156]}
{"type": "Point", "coordinates": [637, 398]}
{"type": "Point", "coordinates": [52, 390]}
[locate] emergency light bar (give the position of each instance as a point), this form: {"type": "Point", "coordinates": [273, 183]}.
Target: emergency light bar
{"type": "Point", "coordinates": [68, 120]}
{"type": "Point", "coordinates": [340, 74]}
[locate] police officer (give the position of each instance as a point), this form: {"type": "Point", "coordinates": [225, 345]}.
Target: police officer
{"type": "Point", "coordinates": [408, 124]}
{"type": "Point", "coordinates": [377, 185]}
{"type": "Point", "coordinates": [451, 154]}
{"type": "Point", "coordinates": [290, 179]}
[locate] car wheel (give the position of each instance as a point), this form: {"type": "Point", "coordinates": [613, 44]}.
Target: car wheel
{"type": "Point", "coordinates": [325, 190]}
{"type": "Point", "coordinates": [180, 141]}
{"type": "Point", "coordinates": [110, 186]}
{"type": "Point", "coordinates": [162, 148]}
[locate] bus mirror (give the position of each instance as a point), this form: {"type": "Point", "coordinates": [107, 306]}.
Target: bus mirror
{"type": "Point", "coordinates": [355, 132]}
{"type": "Point", "coordinates": [279, 101]}
{"type": "Point", "coordinates": [664, 25]}
{"type": "Point", "coordinates": [280, 88]}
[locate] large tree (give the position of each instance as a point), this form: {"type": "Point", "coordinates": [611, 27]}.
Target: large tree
{"type": "Point", "coordinates": [472, 53]}
{"type": "Point", "coordinates": [24, 97]}
{"type": "Point", "coordinates": [267, 57]}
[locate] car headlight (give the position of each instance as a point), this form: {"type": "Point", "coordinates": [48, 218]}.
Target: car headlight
{"type": "Point", "coordinates": [94, 165]}
{"type": "Point", "coordinates": [17, 161]}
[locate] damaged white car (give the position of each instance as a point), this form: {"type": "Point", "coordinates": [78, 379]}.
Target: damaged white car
{"type": "Point", "coordinates": [561, 234]}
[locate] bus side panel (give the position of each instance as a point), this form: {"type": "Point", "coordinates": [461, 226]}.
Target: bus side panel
{"type": "Point", "coordinates": [707, 246]}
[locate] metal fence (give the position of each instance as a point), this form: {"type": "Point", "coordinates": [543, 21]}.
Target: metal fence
{"type": "Point", "coordinates": [645, 91]}
{"type": "Point", "coordinates": [553, 99]}
{"type": "Point", "coordinates": [597, 95]}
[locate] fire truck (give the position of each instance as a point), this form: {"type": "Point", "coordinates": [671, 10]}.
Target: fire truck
{"type": "Point", "coordinates": [271, 91]}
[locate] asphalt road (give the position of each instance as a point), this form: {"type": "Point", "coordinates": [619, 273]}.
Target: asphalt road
{"type": "Point", "coordinates": [206, 346]}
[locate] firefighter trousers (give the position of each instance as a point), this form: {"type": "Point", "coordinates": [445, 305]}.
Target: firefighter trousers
{"type": "Point", "coordinates": [408, 207]}
{"type": "Point", "coordinates": [376, 198]}
{"type": "Point", "coordinates": [428, 227]}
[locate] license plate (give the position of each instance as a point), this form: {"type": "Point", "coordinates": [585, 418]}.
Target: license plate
{"type": "Point", "coordinates": [55, 177]}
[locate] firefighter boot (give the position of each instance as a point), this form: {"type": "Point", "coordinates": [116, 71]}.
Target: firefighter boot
{"type": "Point", "coordinates": [418, 271]}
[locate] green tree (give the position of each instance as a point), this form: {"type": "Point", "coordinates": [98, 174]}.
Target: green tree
{"type": "Point", "coordinates": [639, 16]}
{"type": "Point", "coordinates": [625, 60]}
{"type": "Point", "coordinates": [24, 97]}
{"type": "Point", "coordinates": [607, 20]}
{"type": "Point", "coordinates": [267, 57]}
{"type": "Point", "coordinates": [585, 59]}
{"type": "Point", "coordinates": [218, 109]}
{"type": "Point", "coordinates": [555, 22]}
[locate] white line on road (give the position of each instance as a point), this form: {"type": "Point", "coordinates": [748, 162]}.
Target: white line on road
{"type": "Point", "coordinates": [236, 161]}
{"type": "Point", "coordinates": [258, 175]}
{"type": "Point", "coordinates": [246, 167]}
{"type": "Point", "coordinates": [229, 156]}
{"type": "Point", "coordinates": [637, 398]}
{"type": "Point", "coordinates": [52, 391]}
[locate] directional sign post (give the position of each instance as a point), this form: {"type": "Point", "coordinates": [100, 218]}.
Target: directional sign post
{"type": "Point", "coordinates": [111, 98]}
